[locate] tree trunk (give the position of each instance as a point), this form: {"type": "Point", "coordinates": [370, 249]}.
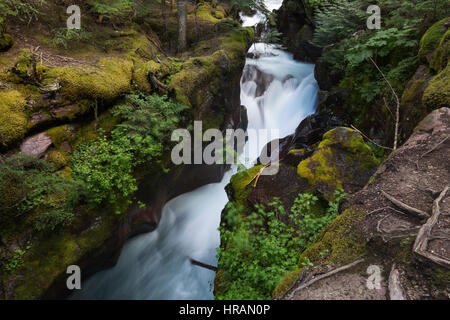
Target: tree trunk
{"type": "Point", "coordinates": [164, 17]}
{"type": "Point", "coordinates": [182, 16]}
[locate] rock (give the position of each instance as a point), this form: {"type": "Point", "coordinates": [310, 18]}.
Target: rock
{"type": "Point", "coordinates": [262, 80]}
{"type": "Point", "coordinates": [437, 93]}
{"type": "Point", "coordinates": [384, 234]}
{"type": "Point", "coordinates": [341, 161]}
{"type": "Point", "coordinates": [412, 109]}
{"type": "Point", "coordinates": [286, 185]}
{"type": "Point", "coordinates": [431, 40]}
{"type": "Point", "coordinates": [36, 145]}
{"type": "Point", "coordinates": [294, 21]}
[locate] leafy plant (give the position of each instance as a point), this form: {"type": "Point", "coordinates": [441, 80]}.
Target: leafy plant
{"type": "Point", "coordinates": [25, 10]}
{"type": "Point", "coordinates": [16, 261]}
{"type": "Point", "coordinates": [32, 186]}
{"type": "Point", "coordinates": [67, 38]}
{"type": "Point", "coordinates": [261, 249]}
{"type": "Point", "coordinates": [106, 165]}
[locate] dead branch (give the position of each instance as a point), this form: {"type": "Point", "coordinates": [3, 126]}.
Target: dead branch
{"type": "Point", "coordinates": [421, 244]}
{"type": "Point", "coordinates": [397, 113]}
{"type": "Point", "coordinates": [256, 177]}
{"type": "Point", "coordinates": [418, 213]}
{"type": "Point", "coordinates": [378, 145]}
{"type": "Point", "coordinates": [203, 265]}
{"type": "Point", "coordinates": [325, 275]}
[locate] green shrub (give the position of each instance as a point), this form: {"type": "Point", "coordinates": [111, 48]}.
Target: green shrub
{"type": "Point", "coordinates": [25, 10]}
{"type": "Point", "coordinates": [106, 165]}
{"type": "Point", "coordinates": [259, 250]}
{"type": "Point", "coordinates": [32, 187]}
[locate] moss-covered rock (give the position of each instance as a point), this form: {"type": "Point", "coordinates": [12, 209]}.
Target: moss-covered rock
{"type": "Point", "coordinates": [341, 161]}
{"type": "Point", "coordinates": [437, 93]}
{"type": "Point", "coordinates": [240, 185]}
{"type": "Point", "coordinates": [431, 39]}
{"type": "Point", "coordinates": [13, 119]}
{"type": "Point", "coordinates": [107, 80]}
{"type": "Point", "coordinates": [442, 53]}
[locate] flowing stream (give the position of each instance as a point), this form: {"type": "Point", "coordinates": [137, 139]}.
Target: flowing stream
{"type": "Point", "coordinates": [155, 265]}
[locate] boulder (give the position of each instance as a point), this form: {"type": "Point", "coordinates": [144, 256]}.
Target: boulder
{"type": "Point", "coordinates": [341, 161]}
{"type": "Point", "coordinates": [36, 145]}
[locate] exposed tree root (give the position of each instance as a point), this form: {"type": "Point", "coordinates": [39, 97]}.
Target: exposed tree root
{"type": "Point", "coordinates": [421, 244]}
{"type": "Point", "coordinates": [416, 212]}
{"type": "Point", "coordinates": [325, 275]}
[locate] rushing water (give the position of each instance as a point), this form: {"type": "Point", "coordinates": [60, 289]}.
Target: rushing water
{"type": "Point", "coordinates": [155, 265]}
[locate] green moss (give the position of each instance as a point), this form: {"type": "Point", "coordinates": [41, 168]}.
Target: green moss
{"type": "Point", "coordinates": [322, 167]}
{"type": "Point", "coordinates": [59, 158]}
{"type": "Point", "coordinates": [108, 80]}
{"type": "Point", "coordinates": [207, 13]}
{"type": "Point", "coordinates": [27, 70]}
{"type": "Point", "coordinates": [431, 39]}
{"type": "Point", "coordinates": [286, 283]}
{"type": "Point", "coordinates": [13, 120]}
{"type": "Point", "coordinates": [437, 94]}
{"type": "Point", "coordinates": [60, 134]}
{"type": "Point", "coordinates": [141, 70]}
{"type": "Point", "coordinates": [413, 92]}
{"type": "Point", "coordinates": [440, 57]}
{"type": "Point", "coordinates": [241, 186]}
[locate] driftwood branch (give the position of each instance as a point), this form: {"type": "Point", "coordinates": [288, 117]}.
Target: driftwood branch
{"type": "Point", "coordinates": [203, 265]}
{"type": "Point", "coordinates": [405, 207]}
{"type": "Point", "coordinates": [325, 275]}
{"type": "Point", "coordinates": [421, 244]}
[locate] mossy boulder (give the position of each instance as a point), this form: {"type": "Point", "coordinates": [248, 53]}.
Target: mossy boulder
{"type": "Point", "coordinates": [341, 161]}
{"type": "Point", "coordinates": [431, 40]}
{"type": "Point", "coordinates": [437, 93]}
{"type": "Point", "coordinates": [13, 119]}
{"type": "Point", "coordinates": [239, 187]}
{"type": "Point", "coordinates": [442, 53]}
{"type": "Point", "coordinates": [107, 80]}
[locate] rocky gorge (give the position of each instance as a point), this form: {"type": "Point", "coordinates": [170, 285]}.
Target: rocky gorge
{"type": "Point", "coordinates": [370, 204]}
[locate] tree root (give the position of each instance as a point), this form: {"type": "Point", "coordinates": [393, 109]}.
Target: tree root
{"type": "Point", "coordinates": [416, 212]}
{"type": "Point", "coordinates": [325, 275]}
{"type": "Point", "coordinates": [421, 244]}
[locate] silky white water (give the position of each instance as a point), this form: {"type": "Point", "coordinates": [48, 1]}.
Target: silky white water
{"type": "Point", "coordinates": [155, 265]}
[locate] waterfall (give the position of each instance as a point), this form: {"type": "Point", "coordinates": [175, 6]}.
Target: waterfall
{"type": "Point", "coordinates": [155, 265]}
